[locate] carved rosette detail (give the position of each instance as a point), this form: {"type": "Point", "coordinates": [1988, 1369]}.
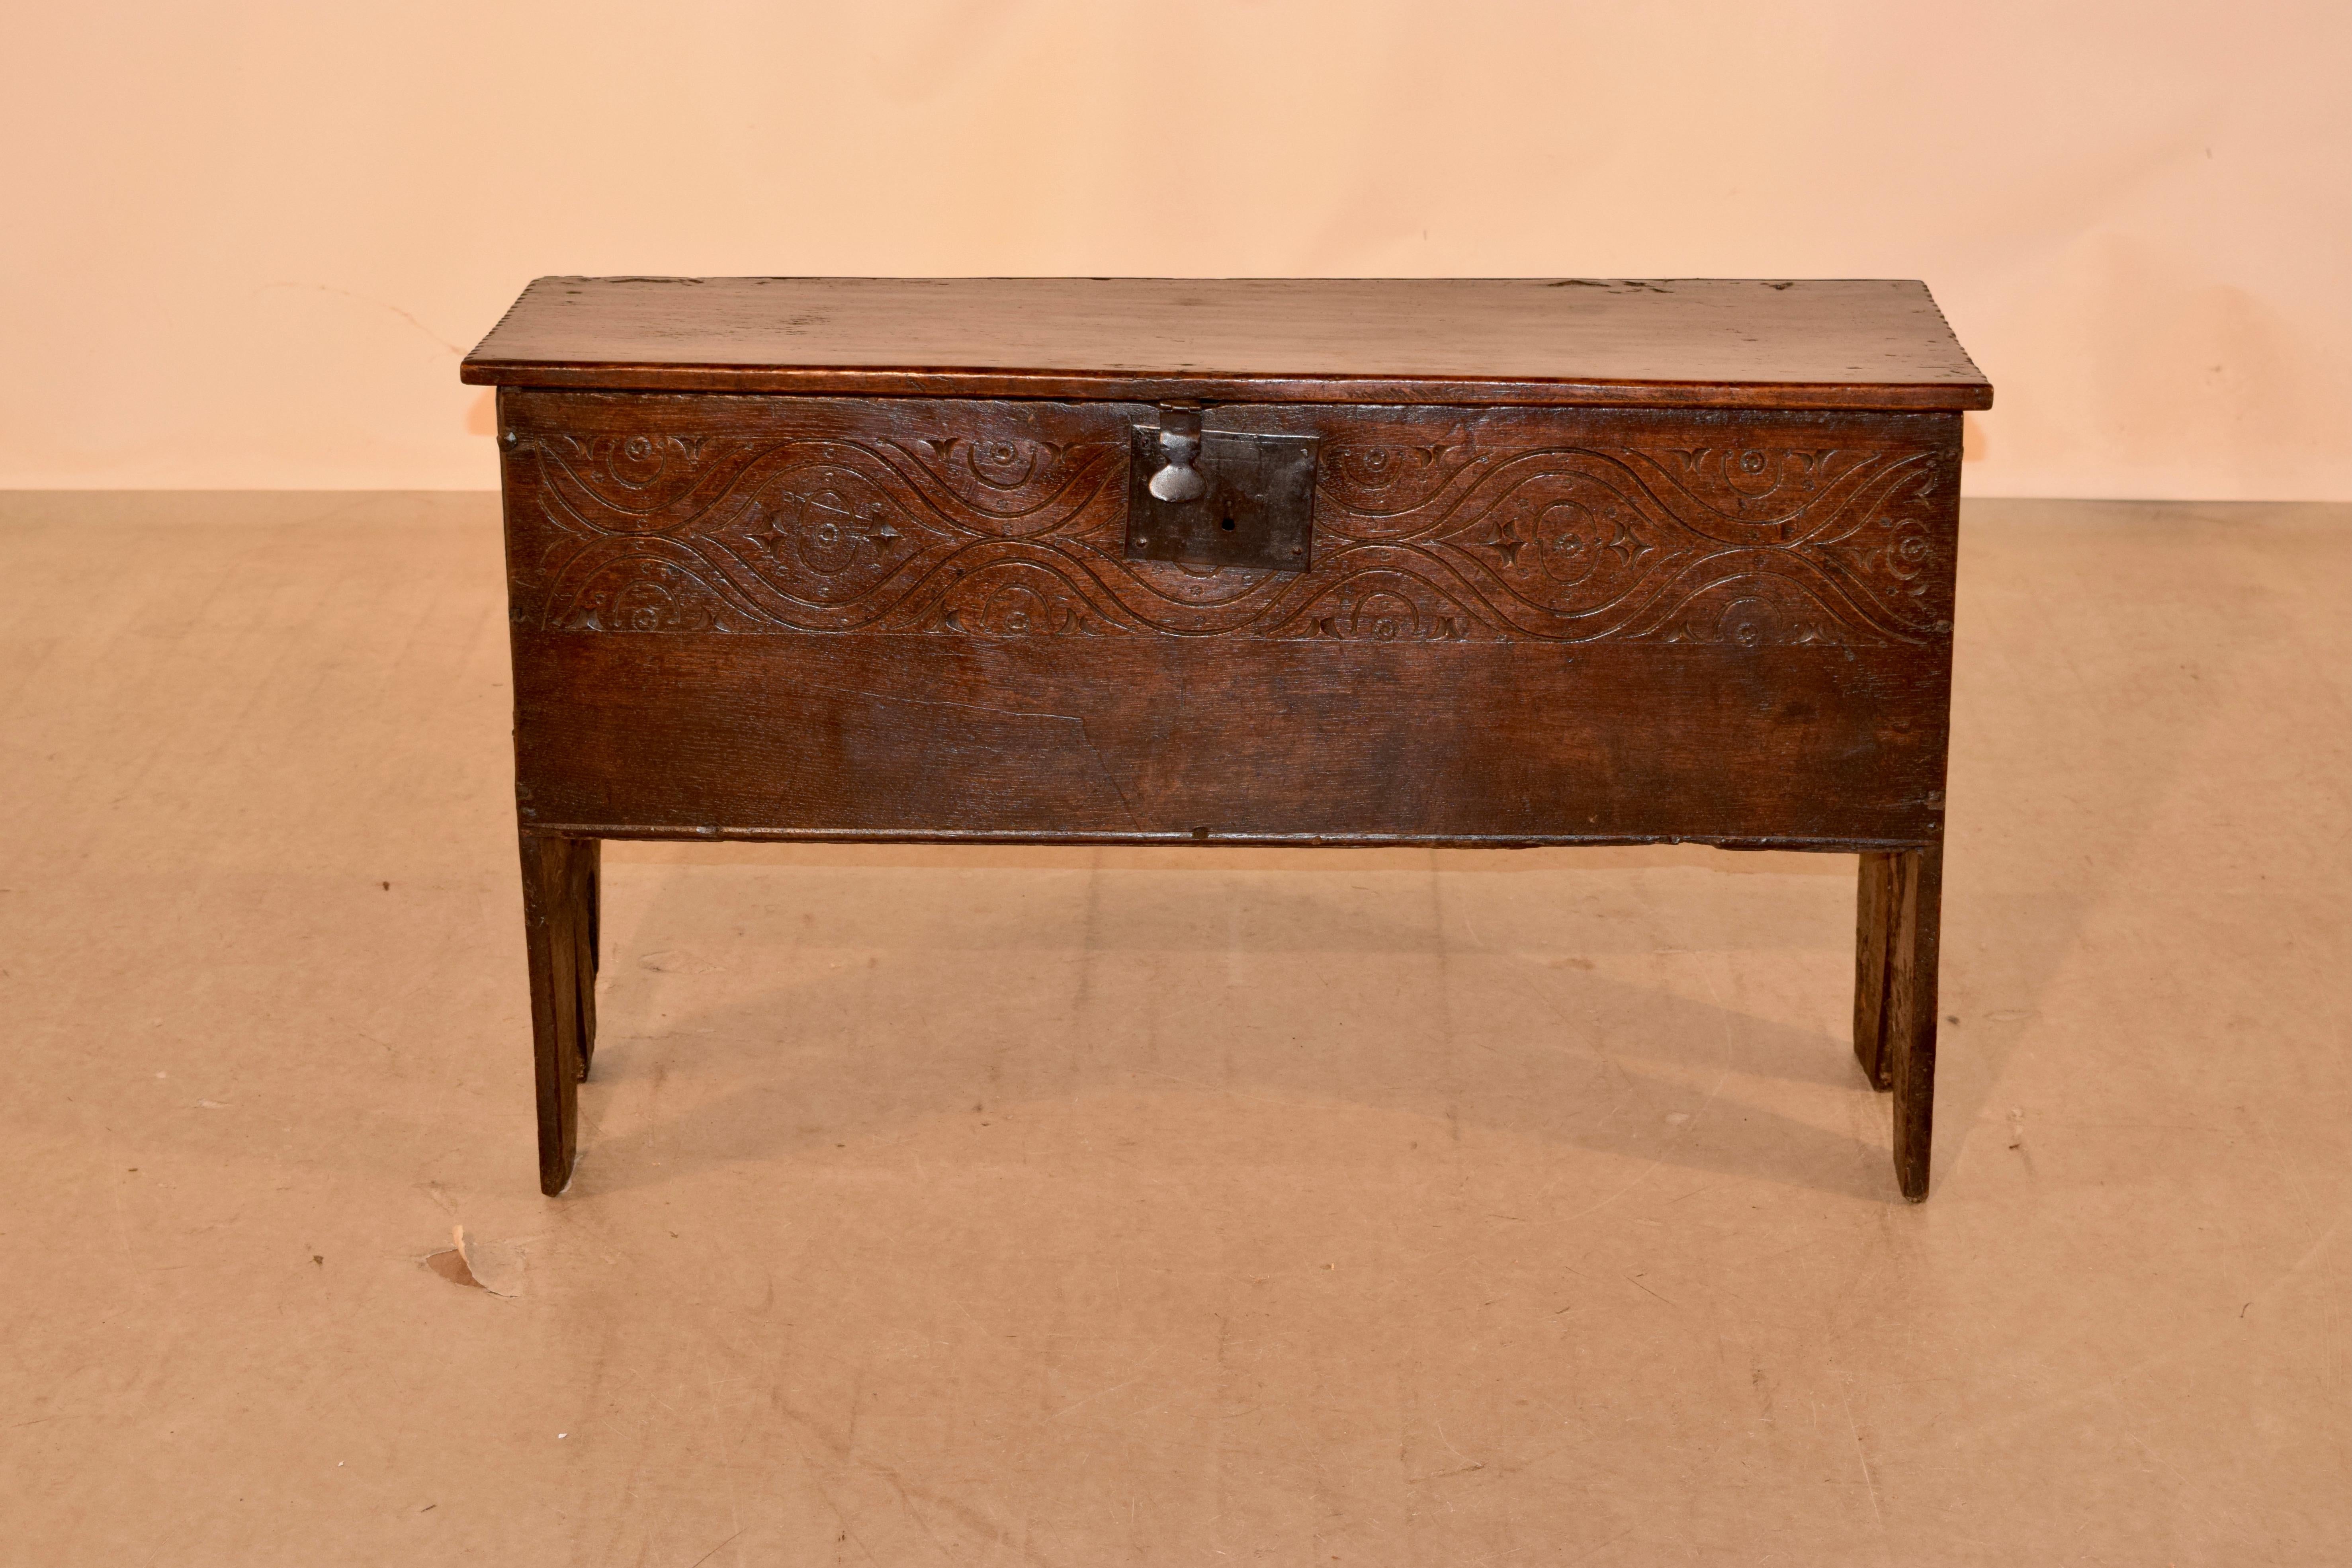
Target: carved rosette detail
{"type": "Point", "coordinates": [1752, 484]}
{"type": "Point", "coordinates": [1757, 611]}
{"type": "Point", "coordinates": [826, 533]}
{"type": "Point", "coordinates": [1385, 606]}
{"type": "Point", "coordinates": [1376, 479]}
{"type": "Point", "coordinates": [636, 594]}
{"type": "Point", "coordinates": [1017, 598]}
{"type": "Point", "coordinates": [1434, 531]}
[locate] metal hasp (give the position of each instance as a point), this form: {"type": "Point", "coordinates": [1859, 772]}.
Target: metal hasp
{"type": "Point", "coordinates": [1220, 498]}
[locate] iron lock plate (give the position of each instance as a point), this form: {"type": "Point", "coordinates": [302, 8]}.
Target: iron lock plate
{"type": "Point", "coordinates": [1251, 498]}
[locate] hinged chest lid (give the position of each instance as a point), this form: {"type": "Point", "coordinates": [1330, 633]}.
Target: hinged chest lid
{"type": "Point", "coordinates": [1672, 343]}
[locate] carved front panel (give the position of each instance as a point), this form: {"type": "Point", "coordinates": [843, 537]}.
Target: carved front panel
{"type": "Point", "coordinates": [655, 513]}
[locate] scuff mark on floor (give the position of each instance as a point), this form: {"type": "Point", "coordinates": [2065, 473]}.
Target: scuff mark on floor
{"type": "Point", "coordinates": [497, 1267]}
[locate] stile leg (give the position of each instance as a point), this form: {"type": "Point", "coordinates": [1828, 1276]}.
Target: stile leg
{"type": "Point", "coordinates": [1873, 947]}
{"type": "Point", "coordinates": [1898, 929]}
{"type": "Point", "coordinates": [596, 848]}
{"type": "Point", "coordinates": [556, 876]}
{"type": "Point", "coordinates": [586, 903]}
{"type": "Point", "coordinates": [1918, 900]}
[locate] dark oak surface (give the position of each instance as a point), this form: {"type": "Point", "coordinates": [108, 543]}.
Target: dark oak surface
{"type": "Point", "coordinates": [906, 737]}
{"type": "Point", "coordinates": [1672, 343]}
{"type": "Point", "coordinates": [1590, 562]}
{"type": "Point", "coordinates": [675, 513]}
{"type": "Point", "coordinates": [915, 618]}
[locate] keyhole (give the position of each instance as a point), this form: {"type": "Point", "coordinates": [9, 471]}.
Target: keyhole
{"type": "Point", "coordinates": [1227, 525]}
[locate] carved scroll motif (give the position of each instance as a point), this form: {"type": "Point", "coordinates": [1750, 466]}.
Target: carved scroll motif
{"type": "Point", "coordinates": [1470, 537]}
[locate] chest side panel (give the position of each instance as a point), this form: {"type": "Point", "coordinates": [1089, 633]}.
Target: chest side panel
{"type": "Point", "coordinates": [766, 614]}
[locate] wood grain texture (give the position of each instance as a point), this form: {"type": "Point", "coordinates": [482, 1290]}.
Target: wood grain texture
{"type": "Point", "coordinates": [1914, 955]}
{"type": "Point", "coordinates": [1873, 939]}
{"type": "Point", "coordinates": [584, 899]}
{"type": "Point", "coordinates": [1680, 342]}
{"type": "Point", "coordinates": [555, 916]}
{"type": "Point", "coordinates": [1589, 563]}
{"type": "Point", "coordinates": [1047, 740]}
{"type": "Point", "coordinates": [665, 514]}
{"type": "Point", "coordinates": [915, 618]}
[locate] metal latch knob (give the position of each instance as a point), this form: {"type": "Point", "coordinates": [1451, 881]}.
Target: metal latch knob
{"type": "Point", "coordinates": [1220, 498]}
{"type": "Point", "coordinates": [1180, 447]}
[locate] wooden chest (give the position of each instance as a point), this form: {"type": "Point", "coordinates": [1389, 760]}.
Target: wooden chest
{"type": "Point", "coordinates": [1491, 562]}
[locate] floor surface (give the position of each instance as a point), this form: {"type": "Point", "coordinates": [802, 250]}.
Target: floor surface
{"type": "Point", "coordinates": [1070, 1207]}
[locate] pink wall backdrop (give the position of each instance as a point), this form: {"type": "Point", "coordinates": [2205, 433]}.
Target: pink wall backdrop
{"type": "Point", "coordinates": [247, 241]}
